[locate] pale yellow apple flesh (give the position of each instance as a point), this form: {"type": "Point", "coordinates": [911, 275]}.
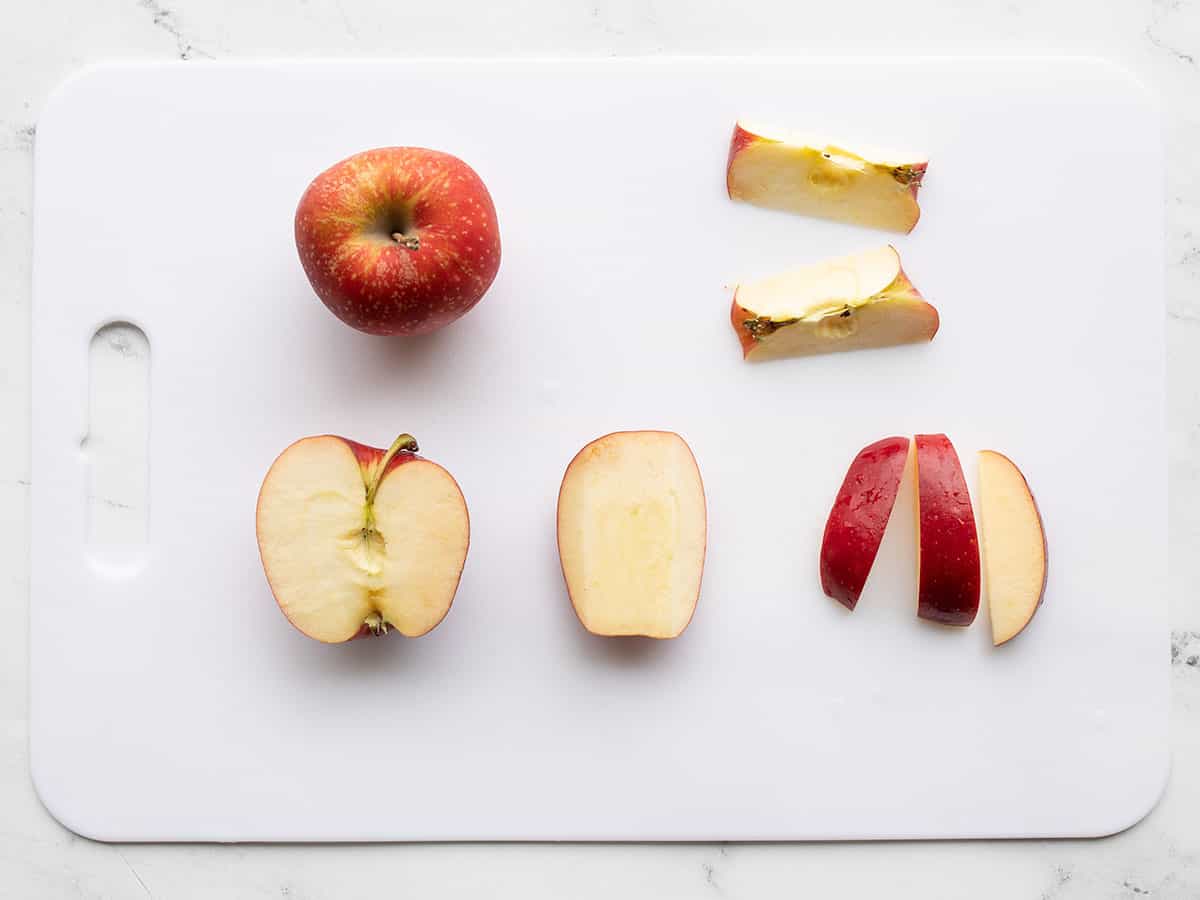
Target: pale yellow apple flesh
{"type": "Point", "coordinates": [1014, 546]}
{"type": "Point", "coordinates": [775, 169]}
{"type": "Point", "coordinates": [852, 302]}
{"type": "Point", "coordinates": [339, 565]}
{"type": "Point", "coordinates": [632, 529]}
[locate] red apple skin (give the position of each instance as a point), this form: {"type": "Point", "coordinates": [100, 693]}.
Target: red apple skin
{"type": "Point", "coordinates": [450, 252]}
{"type": "Point", "coordinates": [741, 138]}
{"type": "Point", "coordinates": [948, 590]}
{"type": "Point", "coordinates": [859, 517]}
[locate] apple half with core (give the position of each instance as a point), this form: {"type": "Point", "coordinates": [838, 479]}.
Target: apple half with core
{"type": "Point", "coordinates": [948, 548]}
{"type": "Point", "coordinates": [632, 530]}
{"type": "Point", "coordinates": [357, 541]}
{"type": "Point", "coordinates": [399, 240]}
{"type": "Point", "coordinates": [1014, 546]}
{"type": "Point", "coordinates": [853, 302]}
{"type": "Point", "coordinates": [778, 170]}
{"type": "Point", "coordinates": [859, 517]}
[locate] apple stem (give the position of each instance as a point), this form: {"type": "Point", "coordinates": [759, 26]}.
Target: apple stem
{"type": "Point", "coordinates": [406, 443]}
{"type": "Point", "coordinates": [407, 241]}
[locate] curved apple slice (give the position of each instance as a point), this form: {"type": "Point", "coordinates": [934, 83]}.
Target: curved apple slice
{"type": "Point", "coordinates": [853, 302]}
{"type": "Point", "coordinates": [859, 517]}
{"type": "Point", "coordinates": [632, 529]}
{"type": "Point", "coordinates": [948, 553]}
{"type": "Point", "coordinates": [355, 540]}
{"type": "Point", "coordinates": [812, 177]}
{"type": "Point", "coordinates": [1014, 546]}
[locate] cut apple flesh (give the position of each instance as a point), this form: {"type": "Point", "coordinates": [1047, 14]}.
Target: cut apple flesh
{"type": "Point", "coordinates": [817, 178]}
{"type": "Point", "coordinates": [631, 534]}
{"type": "Point", "coordinates": [848, 303]}
{"type": "Point", "coordinates": [338, 564]}
{"type": "Point", "coordinates": [1014, 546]}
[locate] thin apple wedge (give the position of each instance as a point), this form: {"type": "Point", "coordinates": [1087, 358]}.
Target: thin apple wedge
{"type": "Point", "coordinates": [859, 517]}
{"type": "Point", "coordinates": [855, 302]}
{"type": "Point", "coordinates": [1014, 546]}
{"type": "Point", "coordinates": [948, 548]}
{"type": "Point", "coordinates": [777, 170]}
{"type": "Point", "coordinates": [632, 530]}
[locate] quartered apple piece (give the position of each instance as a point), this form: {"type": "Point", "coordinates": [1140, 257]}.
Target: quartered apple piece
{"type": "Point", "coordinates": [816, 178]}
{"type": "Point", "coordinates": [849, 303]}
{"type": "Point", "coordinates": [948, 548]}
{"type": "Point", "coordinates": [356, 540]}
{"type": "Point", "coordinates": [1014, 546]}
{"type": "Point", "coordinates": [859, 517]}
{"type": "Point", "coordinates": [632, 528]}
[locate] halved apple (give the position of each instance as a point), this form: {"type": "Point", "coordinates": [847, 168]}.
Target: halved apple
{"type": "Point", "coordinates": [356, 540]}
{"type": "Point", "coordinates": [816, 178]}
{"type": "Point", "coordinates": [1014, 545]}
{"type": "Point", "coordinates": [851, 302]}
{"type": "Point", "coordinates": [948, 548]}
{"type": "Point", "coordinates": [632, 529]}
{"type": "Point", "coordinates": [859, 517]}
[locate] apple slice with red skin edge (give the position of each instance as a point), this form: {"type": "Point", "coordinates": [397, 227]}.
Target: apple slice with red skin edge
{"type": "Point", "coordinates": [859, 518]}
{"type": "Point", "coordinates": [855, 302]}
{"type": "Point", "coordinates": [398, 240]}
{"type": "Point", "coordinates": [1014, 546]}
{"type": "Point", "coordinates": [632, 530]}
{"type": "Point", "coordinates": [358, 541]}
{"type": "Point", "coordinates": [948, 547]}
{"type": "Point", "coordinates": [811, 177]}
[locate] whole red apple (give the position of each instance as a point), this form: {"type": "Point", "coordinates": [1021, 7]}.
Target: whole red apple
{"type": "Point", "coordinates": [399, 240]}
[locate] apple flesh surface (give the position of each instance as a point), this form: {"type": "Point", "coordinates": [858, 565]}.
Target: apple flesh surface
{"type": "Point", "coordinates": [816, 178]}
{"type": "Point", "coordinates": [1014, 546]}
{"type": "Point", "coordinates": [948, 548]}
{"type": "Point", "coordinates": [632, 529]}
{"type": "Point", "coordinates": [399, 240]}
{"type": "Point", "coordinates": [859, 518]}
{"type": "Point", "coordinates": [356, 540]}
{"type": "Point", "coordinates": [854, 302]}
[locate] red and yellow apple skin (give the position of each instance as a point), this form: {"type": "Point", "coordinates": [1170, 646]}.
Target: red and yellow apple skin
{"type": "Point", "coordinates": [948, 562]}
{"type": "Point", "coordinates": [859, 517]}
{"type": "Point", "coordinates": [398, 240]}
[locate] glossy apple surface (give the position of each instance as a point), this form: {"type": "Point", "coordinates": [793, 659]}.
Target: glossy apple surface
{"type": "Point", "coordinates": [399, 240]}
{"type": "Point", "coordinates": [948, 580]}
{"type": "Point", "coordinates": [859, 518]}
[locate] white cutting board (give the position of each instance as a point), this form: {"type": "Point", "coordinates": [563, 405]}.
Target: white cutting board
{"type": "Point", "coordinates": [170, 699]}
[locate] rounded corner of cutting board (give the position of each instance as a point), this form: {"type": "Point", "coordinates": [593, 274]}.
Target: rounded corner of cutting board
{"type": "Point", "coordinates": [1141, 801]}
{"type": "Point", "coordinates": [48, 787]}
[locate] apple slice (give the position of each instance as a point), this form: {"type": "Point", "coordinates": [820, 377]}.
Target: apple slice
{"type": "Point", "coordinates": [859, 517]}
{"type": "Point", "coordinates": [817, 178]}
{"type": "Point", "coordinates": [1014, 546]}
{"type": "Point", "coordinates": [632, 528]}
{"type": "Point", "coordinates": [355, 540]}
{"type": "Point", "coordinates": [948, 549]}
{"type": "Point", "coordinates": [848, 303]}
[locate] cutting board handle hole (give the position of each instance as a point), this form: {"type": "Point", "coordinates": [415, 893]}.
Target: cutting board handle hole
{"type": "Point", "coordinates": [116, 449]}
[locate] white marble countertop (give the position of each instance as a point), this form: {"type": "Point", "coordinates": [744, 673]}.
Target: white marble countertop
{"type": "Point", "coordinates": [1158, 39]}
